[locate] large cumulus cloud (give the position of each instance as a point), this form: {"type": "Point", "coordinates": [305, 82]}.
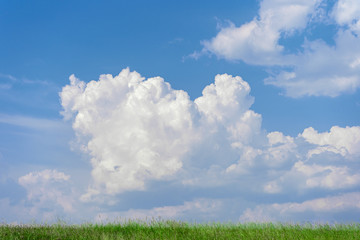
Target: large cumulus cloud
{"type": "Point", "coordinates": [143, 137]}
{"type": "Point", "coordinates": [138, 131]}
{"type": "Point", "coordinates": [135, 129]}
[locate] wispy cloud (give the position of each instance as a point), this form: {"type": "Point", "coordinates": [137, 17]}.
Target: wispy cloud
{"type": "Point", "coordinates": [5, 86]}
{"type": "Point", "coordinates": [8, 77]}
{"type": "Point", "coordinates": [31, 122]}
{"type": "Point", "coordinates": [11, 80]}
{"type": "Point", "coordinates": [176, 40]}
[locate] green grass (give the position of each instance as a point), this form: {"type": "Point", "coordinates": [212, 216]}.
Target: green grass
{"type": "Point", "coordinates": [179, 230]}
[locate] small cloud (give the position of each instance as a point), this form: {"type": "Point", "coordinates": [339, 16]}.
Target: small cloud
{"type": "Point", "coordinates": [196, 55]}
{"type": "Point", "coordinates": [176, 41]}
{"type": "Point", "coordinates": [44, 176]}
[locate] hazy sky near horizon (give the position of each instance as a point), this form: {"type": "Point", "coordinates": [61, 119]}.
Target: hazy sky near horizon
{"type": "Point", "coordinates": [193, 110]}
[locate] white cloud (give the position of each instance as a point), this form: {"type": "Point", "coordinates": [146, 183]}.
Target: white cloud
{"type": "Point", "coordinates": [315, 68]}
{"type": "Point", "coordinates": [46, 188]}
{"type": "Point", "coordinates": [281, 149]}
{"type": "Point", "coordinates": [347, 12]}
{"type": "Point", "coordinates": [226, 99]}
{"type": "Point", "coordinates": [7, 81]}
{"type": "Point", "coordinates": [17, 214]}
{"type": "Point", "coordinates": [31, 122]}
{"type": "Point", "coordinates": [325, 176]}
{"type": "Point", "coordinates": [207, 208]}
{"type": "Point", "coordinates": [275, 151]}
{"type": "Point", "coordinates": [5, 86]}
{"type": "Point", "coordinates": [344, 141]}
{"type": "Point", "coordinates": [10, 81]}
{"type": "Point", "coordinates": [272, 187]}
{"type": "Point", "coordinates": [313, 210]}
{"type": "Point", "coordinates": [310, 167]}
{"type": "Point", "coordinates": [225, 106]}
{"type": "Point", "coordinates": [46, 196]}
{"type": "Point", "coordinates": [257, 42]}
{"type": "Point", "coordinates": [321, 69]}
{"type": "Point", "coordinates": [8, 77]}
{"type": "Point", "coordinates": [43, 176]}
{"type": "Point", "coordinates": [138, 130]}
{"type": "Point", "coordinates": [302, 177]}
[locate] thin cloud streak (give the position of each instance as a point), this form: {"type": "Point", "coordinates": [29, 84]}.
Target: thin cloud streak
{"type": "Point", "coordinates": [31, 122]}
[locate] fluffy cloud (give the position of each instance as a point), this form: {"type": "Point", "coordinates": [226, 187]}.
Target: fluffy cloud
{"type": "Point", "coordinates": [47, 188]}
{"type": "Point", "coordinates": [138, 130]}
{"type": "Point", "coordinates": [44, 176]}
{"type": "Point", "coordinates": [226, 99]}
{"type": "Point", "coordinates": [347, 12]}
{"type": "Point", "coordinates": [315, 210]}
{"type": "Point", "coordinates": [275, 151]}
{"type": "Point", "coordinates": [141, 134]}
{"type": "Point", "coordinates": [257, 42]}
{"type": "Point", "coordinates": [317, 165]}
{"type": "Point", "coordinates": [321, 69]}
{"type": "Point", "coordinates": [304, 176]}
{"type": "Point", "coordinates": [344, 141]}
{"type": "Point", "coordinates": [316, 68]}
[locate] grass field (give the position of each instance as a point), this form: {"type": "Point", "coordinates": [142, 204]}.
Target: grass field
{"type": "Point", "coordinates": [179, 230]}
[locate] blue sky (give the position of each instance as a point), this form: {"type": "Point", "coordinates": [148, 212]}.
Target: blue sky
{"type": "Point", "coordinates": [248, 104]}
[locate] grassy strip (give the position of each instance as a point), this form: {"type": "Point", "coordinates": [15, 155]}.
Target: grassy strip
{"type": "Point", "coordinates": [179, 230]}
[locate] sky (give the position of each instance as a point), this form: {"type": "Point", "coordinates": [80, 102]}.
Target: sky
{"type": "Point", "coordinates": [197, 111]}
